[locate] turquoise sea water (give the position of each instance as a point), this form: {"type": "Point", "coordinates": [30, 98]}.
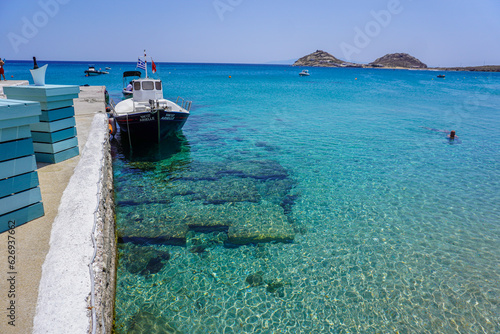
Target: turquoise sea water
{"type": "Point", "coordinates": [396, 229]}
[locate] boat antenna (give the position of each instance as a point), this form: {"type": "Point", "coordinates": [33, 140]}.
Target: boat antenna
{"type": "Point", "coordinates": [146, 63]}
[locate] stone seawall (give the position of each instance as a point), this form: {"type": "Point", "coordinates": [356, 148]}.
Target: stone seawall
{"type": "Point", "coordinates": [77, 287]}
{"type": "Point", "coordinates": [105, 262]}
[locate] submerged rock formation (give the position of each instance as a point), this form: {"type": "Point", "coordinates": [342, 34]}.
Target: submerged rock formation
{"type": "Point", "coordinates": [398, 60]}
{"type": "Point", "coordinates": [249, 201]}
{"type": "Point", "coordinates": [319, 59]}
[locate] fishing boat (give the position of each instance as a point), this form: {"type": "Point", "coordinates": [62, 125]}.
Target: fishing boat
{"type": "Point", "coordinates": [304, 73]}
{"type": "Point", "coordinates": [127, 84]}
{"type": "Point", "coordinates": [92, 71]}
{"type": "Point", "coordinates": [147, 116]}
{"type": "Point", "coordinates": [441, 76]}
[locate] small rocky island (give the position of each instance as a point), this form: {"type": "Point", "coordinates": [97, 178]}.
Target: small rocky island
{"type": "Point", "coordinates": [321, 58]}
{"type": "Point", "coordinates": [403, 60]}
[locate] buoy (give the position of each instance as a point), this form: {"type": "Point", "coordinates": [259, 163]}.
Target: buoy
{"type": "Point", "coordinates": [229, 77]}
{"type": "Point", "coordinates": [112, 125]}
{"type": "Point", "coordinates": [355, 78]}
{"type": "Point", "coordinates": [11, 76]}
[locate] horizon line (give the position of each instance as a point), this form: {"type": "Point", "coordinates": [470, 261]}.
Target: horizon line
{"type": "Point", "coordinates": [271, 63]}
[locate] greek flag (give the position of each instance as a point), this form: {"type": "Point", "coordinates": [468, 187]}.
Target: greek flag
{"type": "Point", "coordinates": [141, 64]}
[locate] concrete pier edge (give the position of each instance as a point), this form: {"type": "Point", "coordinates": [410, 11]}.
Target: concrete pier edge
{"type": "Point", "coordinates": [65, 301]}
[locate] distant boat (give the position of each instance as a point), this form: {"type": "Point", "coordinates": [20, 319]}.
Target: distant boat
{"type": "Point", "coordinates": [107, 68]}
{"type": "Point", "coordinates": [92, 71]}
{"type": "Point", "coordinates": [304, 73]}
{"type": "Point", "coordinates": [441, 76]}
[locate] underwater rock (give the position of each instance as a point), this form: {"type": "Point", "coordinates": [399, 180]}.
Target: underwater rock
{"type": "Point", "coordinates": [196, 171]}
{"type": "Point", "coordinates": [255, 279]}
{"type": "Point", "coordinates": [144, 260]}
{"type": "Point", "coordinates": [261, 223]}
{"type": "Point", "coordinates": [137, 192]}
{"type": "Point", "coordinates": [154, 266]}
{"type": "Point", "coordinates": [276, 190]}
{"type": "Point", "coordinates": [205, 239]}
{"type": "Point", "coordinates": [256, 169]}
{"type": "Point", "coordinates": [151, 225]}
{"type": "Point", "coordinates": [276, 286]}
{"type": "Point", "coordinates": [227, 190]}
{"type": "Point", "coordinates": [147, 322]}
{"type": "Point", "coordinates": [223, 190]}
{"type": "Point", "coordinates": [206, 218]}
{"type": "Point", "coordinates": [250, 201]}
{"type": "Point", "coordinates": [198, 249]}
{"type": "Point", "coordinates": [288, 203]}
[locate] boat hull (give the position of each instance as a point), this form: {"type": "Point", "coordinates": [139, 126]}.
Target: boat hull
{"type": "Point", "coordinates": [144, 125]}
{"type": "Point", "coordinates": [93, 73]}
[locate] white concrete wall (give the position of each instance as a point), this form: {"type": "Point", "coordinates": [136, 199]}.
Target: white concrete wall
{"type": "Point", "coordinates": [65, 286]}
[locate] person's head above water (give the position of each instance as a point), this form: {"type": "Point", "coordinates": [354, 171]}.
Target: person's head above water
{"type": "Point", "coordinates": [452, 134]}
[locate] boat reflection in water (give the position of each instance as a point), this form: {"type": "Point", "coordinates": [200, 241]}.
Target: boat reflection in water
{"type": "Point", "coordinates": [142, 151]}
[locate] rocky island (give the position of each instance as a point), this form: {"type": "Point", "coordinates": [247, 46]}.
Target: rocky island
{"type": "Point", "coordinates": [402, 60]}
{"type": "Point", "coordinates": [320, 58]}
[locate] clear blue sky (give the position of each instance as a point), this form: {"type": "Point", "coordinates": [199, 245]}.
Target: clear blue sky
{"type": "Point", "coordinates": [438, 32]}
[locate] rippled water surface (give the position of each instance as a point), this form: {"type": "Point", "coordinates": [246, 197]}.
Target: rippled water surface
{"type": "Point", "coordinates": [375, 222]}
{"type": "Point", "coordinates": [327, 204]}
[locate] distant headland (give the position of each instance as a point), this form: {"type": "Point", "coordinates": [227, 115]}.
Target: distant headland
{"type": "Point", "coordinates": [321, 58]}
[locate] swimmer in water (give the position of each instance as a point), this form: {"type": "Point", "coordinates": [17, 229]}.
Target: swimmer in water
{"type": "Point", "coordinates": [451, 135]}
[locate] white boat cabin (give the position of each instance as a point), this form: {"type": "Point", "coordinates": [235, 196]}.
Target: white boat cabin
{"type": "Point", "coordinates": [147, 89]}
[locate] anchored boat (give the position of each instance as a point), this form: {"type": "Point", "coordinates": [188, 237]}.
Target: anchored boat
{"type": "Point", "coordinates": [127, 84]}
{"type": "Point", "coordinates": [304, 73]}
{"type": "Point", "coordinates": [147, 115]}
{"type": "Point", "coordinates": [92, 71]}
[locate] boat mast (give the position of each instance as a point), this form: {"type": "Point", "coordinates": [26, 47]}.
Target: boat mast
{"type": "Point", "coordinates": [146, 63]}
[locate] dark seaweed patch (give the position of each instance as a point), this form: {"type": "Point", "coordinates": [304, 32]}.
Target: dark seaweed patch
{"type": "Point", "coordinates": [288, 203]}
{"type": "Point", "coordinates": [255, 279]}
{"type": "Point", "coordinates": [145, 260]}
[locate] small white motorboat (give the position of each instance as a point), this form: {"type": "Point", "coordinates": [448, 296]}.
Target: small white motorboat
{"type": "Point", "coordinates": [127, 83]}
{"type": "Point", "coordinates": [304, 73]}
{"type": "Point", "coordinates": [92, 71]}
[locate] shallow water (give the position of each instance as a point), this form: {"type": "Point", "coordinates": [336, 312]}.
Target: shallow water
{"type": "Point", "coordinates": [396, 229]}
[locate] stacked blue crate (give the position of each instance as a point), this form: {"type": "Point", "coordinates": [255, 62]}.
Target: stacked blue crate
{"type": "Point", "coordinates": [20, 197]}
{"type": "Point", "coordinates": [54, 136]}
